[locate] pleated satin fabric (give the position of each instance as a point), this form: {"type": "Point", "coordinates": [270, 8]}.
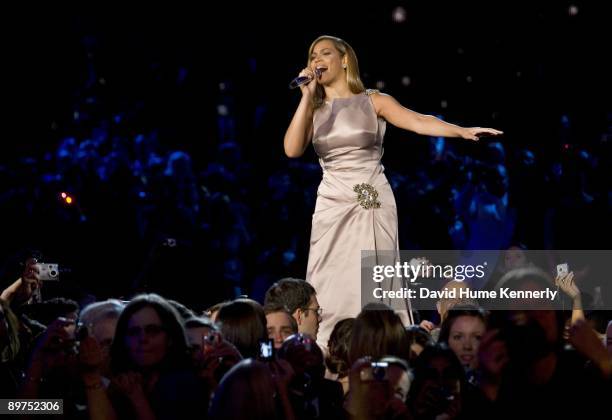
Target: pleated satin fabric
{"type": "Point", "coordinates": [348, 138]}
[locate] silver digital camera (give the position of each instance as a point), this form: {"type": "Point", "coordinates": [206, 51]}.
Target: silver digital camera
{"type": "Point", "coordinates": [48, 272]}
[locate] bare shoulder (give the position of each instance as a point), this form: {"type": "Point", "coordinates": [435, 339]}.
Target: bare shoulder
{"type": "Point", "coordinates": [380, 100]}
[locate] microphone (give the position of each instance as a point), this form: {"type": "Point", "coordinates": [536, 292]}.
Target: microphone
{"type": "Point", "coordinates": [302, 80]}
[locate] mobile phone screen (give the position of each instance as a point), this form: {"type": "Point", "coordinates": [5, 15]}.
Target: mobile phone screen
{"type": "Point", "coordinates": [266, 349]}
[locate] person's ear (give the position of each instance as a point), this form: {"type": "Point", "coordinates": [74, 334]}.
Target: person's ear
{"type": "Point", "coordinates": [297, 315]}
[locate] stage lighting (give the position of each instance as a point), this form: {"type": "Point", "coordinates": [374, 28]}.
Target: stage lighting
{"type": "Point", "coordinates": [222, 110]}
{"type": "Point", "coordinates": [67, 198]}
{"type": "Point", "coordinates": [398, 15]}
{"type": "Point", "coordinates": [573, 10]}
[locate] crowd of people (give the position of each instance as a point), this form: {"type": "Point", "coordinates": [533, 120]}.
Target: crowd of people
{"type": "Point", "coordinates": [154, 358]}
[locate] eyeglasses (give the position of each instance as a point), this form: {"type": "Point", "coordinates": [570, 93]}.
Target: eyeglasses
{"type": "Point", "coordinates": [149, 330]}
{"type": "Point", "coordinates": [319, 311]}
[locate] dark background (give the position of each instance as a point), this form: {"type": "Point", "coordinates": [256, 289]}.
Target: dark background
{"type": "Point", "coordinates": [537, 71]}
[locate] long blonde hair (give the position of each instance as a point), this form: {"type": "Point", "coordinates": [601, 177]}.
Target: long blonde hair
{"type": "Point", "coordinates": [352, 68]}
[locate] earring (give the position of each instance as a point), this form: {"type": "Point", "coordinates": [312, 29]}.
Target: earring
{"type": "Point", "coordinates": [344, 66]}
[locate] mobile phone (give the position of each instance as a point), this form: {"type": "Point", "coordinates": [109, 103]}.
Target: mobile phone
{"type": "Point", "coordinates": [266, 350]}
{"type": "Point", "coordinates": [48, 272]}
{"type": "Point", "coordinates": [562, 269]}
{"type": "Point", "coordinates": [377, 371]}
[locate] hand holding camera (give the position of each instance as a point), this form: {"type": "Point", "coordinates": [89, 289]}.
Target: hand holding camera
{"type": "Point", "coordinates": [30, 282]}
{"type": "Point", "coordinates": [565, 281]}
{"type": "Point", "coordinates": [436, 399]}
{"type": "Point", "coordinates": [370, 388]}
{"type": "Point", "coordinates": [57, 336]}
{"type": "Point", "coordinates": [26, 289]}
{"type": "Point", "coordinates": [56, 347]}
{"type": "Point", "coordinates": [90, 357]}
{"type": "Point", "coordinates": [377, 371]}
{"type": "Point", "coordinates": [210, 341]}
{"type": "Point", "coordinates": [218, 356]}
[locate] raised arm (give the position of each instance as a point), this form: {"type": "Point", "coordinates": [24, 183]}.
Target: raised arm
{"type": "Point", "coordinates": [391, 110]}
{"type": "Point", "coordinates": [568, 285]}
{"type": "Point", "coordinates": [299, 133]}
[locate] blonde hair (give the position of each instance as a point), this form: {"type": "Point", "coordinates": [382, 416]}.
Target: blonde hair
{"type": "Point", "coordinates": [352, 68]}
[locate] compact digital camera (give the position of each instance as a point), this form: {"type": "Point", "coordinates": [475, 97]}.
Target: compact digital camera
{"type": "Point", "coordinates": [48, 272]}
{"type": "Point", "coordinates": [377, 371]}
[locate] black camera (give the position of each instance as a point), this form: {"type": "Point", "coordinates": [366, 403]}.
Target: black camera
{"type": "Point", "coordinates": [377, 371]}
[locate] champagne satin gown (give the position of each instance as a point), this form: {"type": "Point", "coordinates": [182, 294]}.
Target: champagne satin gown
{"type": "Point", "coordinates": [348, 138]}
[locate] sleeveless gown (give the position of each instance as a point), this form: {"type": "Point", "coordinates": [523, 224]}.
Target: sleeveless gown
{"type": "Point", "coordinates": [348, 138]}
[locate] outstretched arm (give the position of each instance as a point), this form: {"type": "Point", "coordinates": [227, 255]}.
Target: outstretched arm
{"type": "Point", "coordinates": [391, 110]}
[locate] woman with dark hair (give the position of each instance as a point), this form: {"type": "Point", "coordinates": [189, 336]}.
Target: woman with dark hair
{"type": "Point", "coordinates": [378, 331]}
{"type": "Point", "coordinates": [242, 322]}
{"type": "Point", "coordinates": [254, 390]}
{"type": "Point", "coordinates": [337, 361]}
{"type": "Point", "coordinates": [462, 331]}
{"type": "Point", "coordinates": [151, 363]}
{"type": "Point", "coordinates": [151, 317]}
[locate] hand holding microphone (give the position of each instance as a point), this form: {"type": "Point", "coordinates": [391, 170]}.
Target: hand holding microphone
{"type": "Point", "coordinates": [304, 78]}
